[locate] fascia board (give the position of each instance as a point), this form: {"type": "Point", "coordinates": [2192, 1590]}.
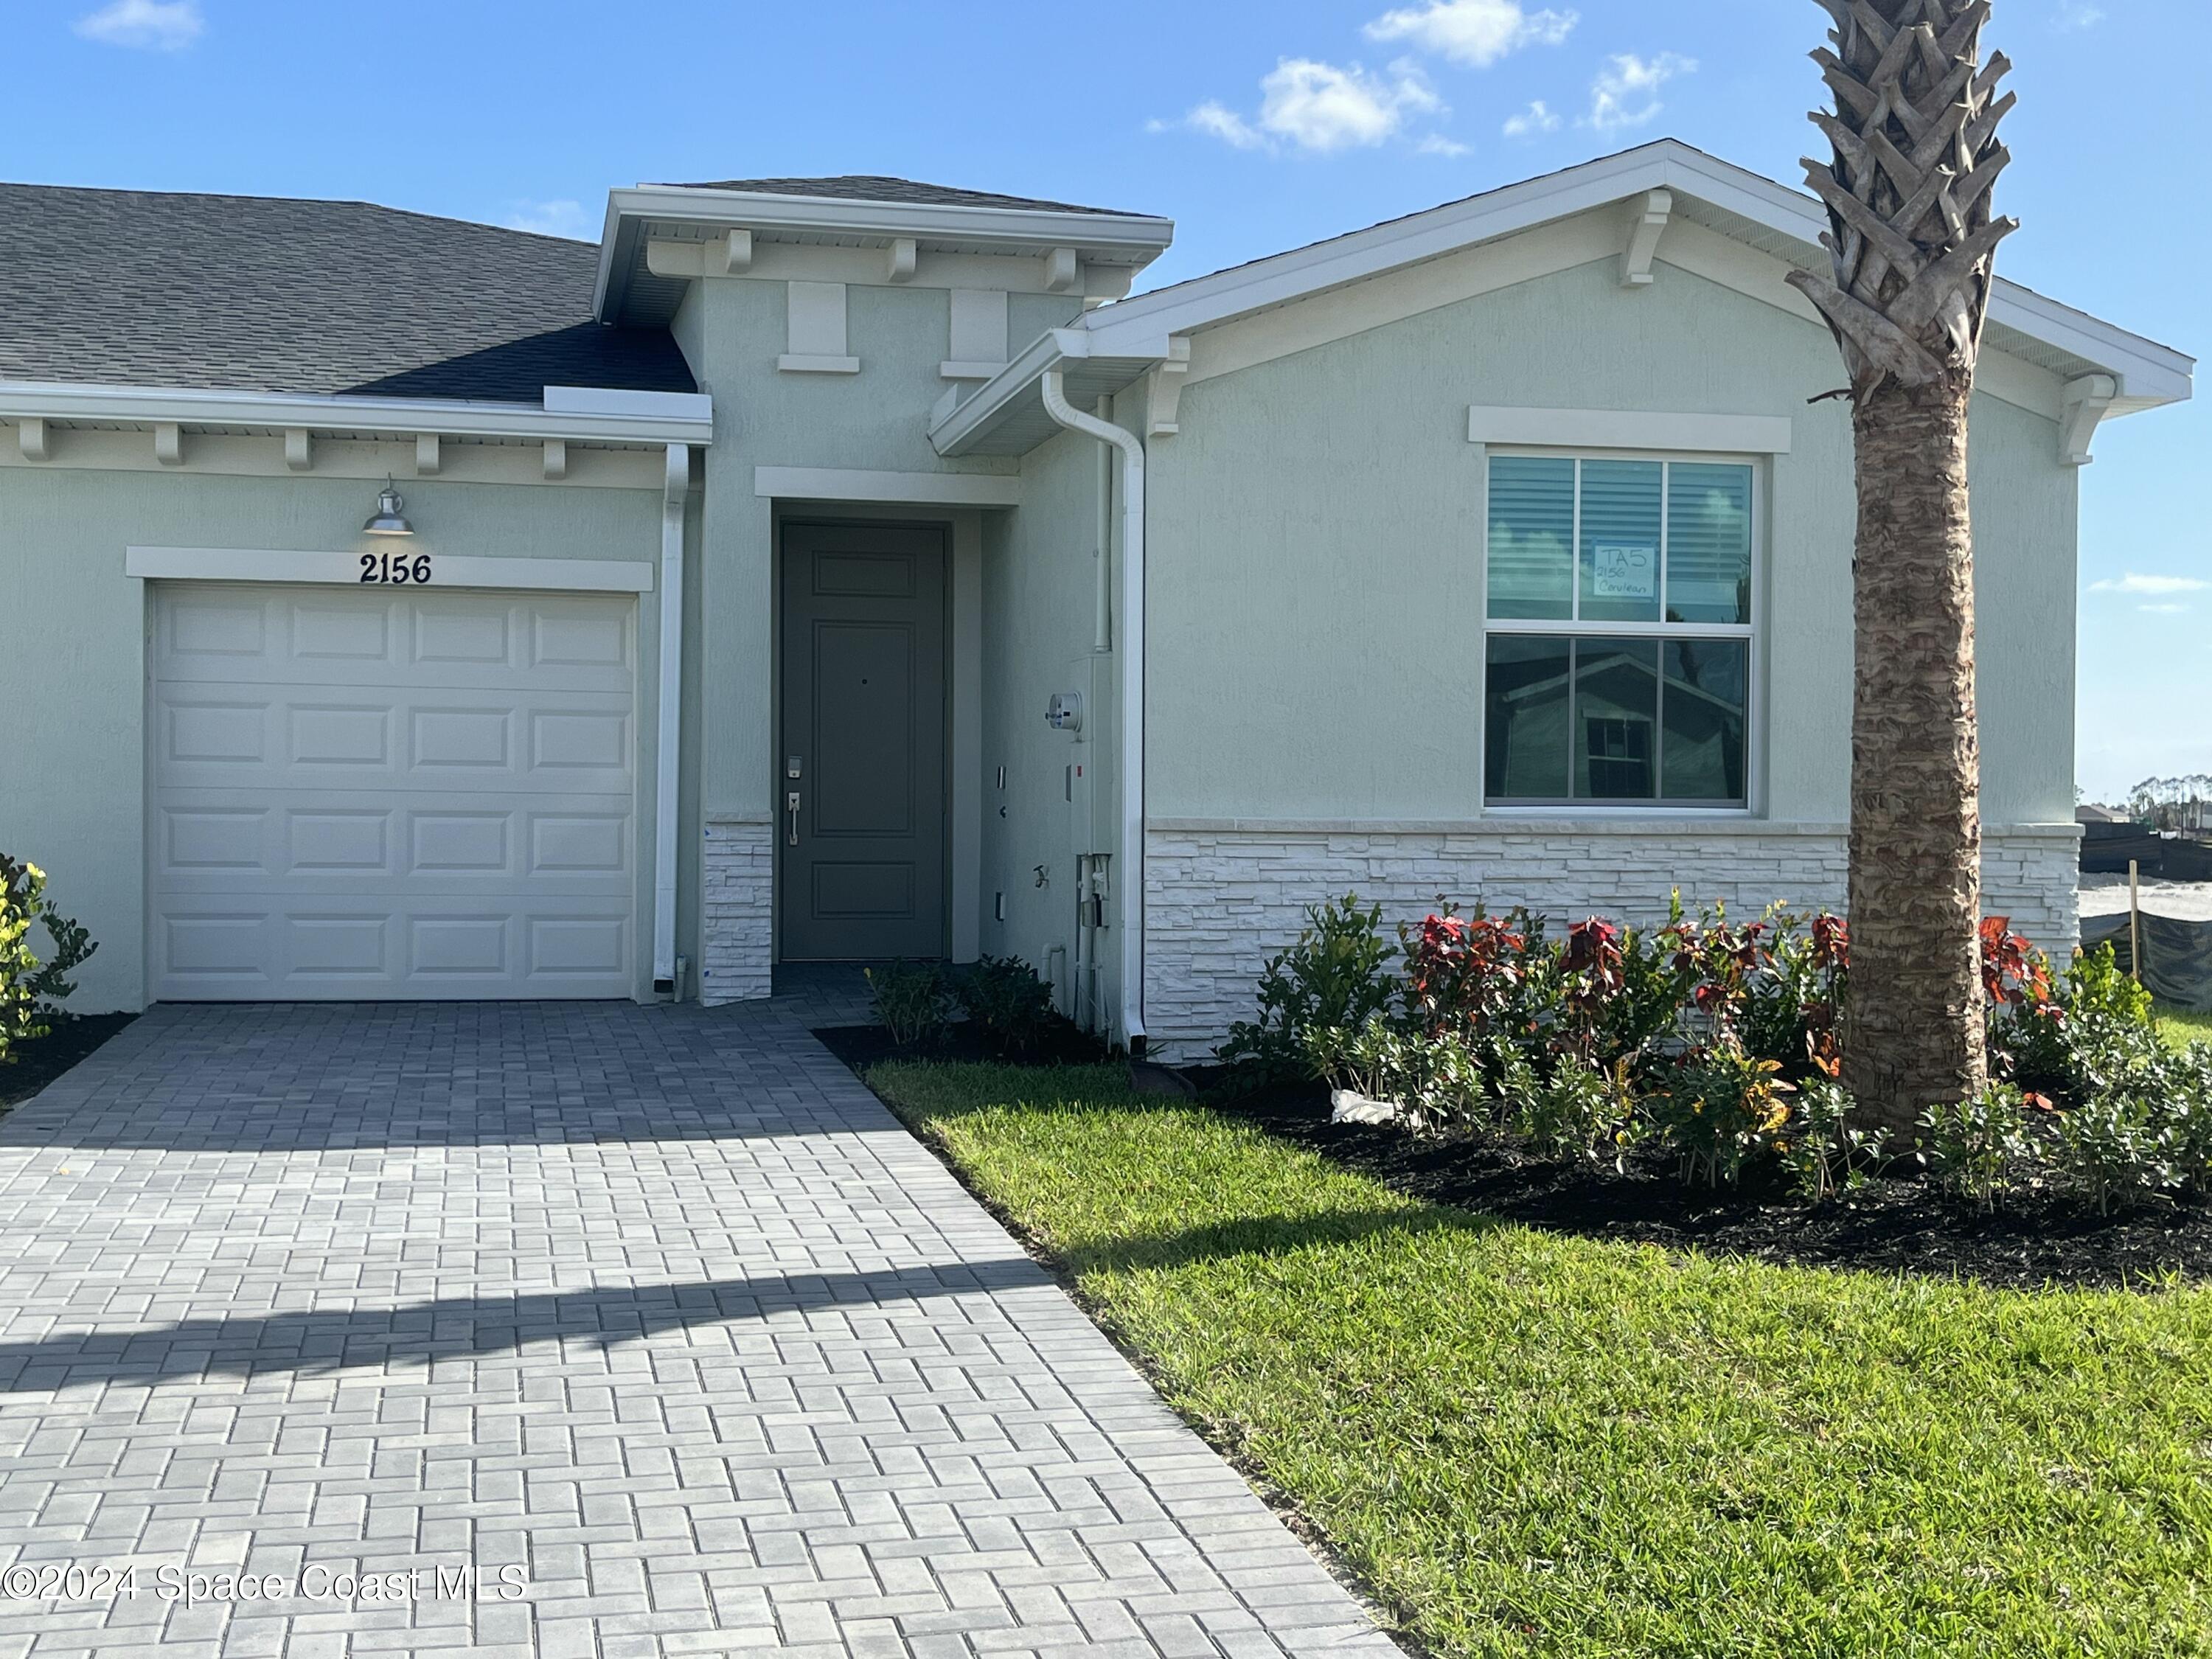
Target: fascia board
{"type": "Point", "coordinates": [1101, 236]}
{"type": "Point", "coordinates": [398, 416]}
{"type": "Point", "coordinates": [2150, 373]}
{"type": "Point", "coordinates": [974, 415]}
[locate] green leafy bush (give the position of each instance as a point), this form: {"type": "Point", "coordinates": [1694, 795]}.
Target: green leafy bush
{"type": "Point", "coordinates": [1976, 1150]}
{"type": "Point", "coordinates": [1009, 1006]}
{"type": "Point", "coordinates": [1822, 1150]}
{"type": "Point", "coordinates": [1431, 1077]}
{"type": "Point", "coordinates": [2120, 1149]}
{"type": "Point", "coordinates": [31, 990]}
{"type": "Point", "coordinates": [912, 1002]}
{"type": "Point", "coordinates": [1581, 1112]}
{"type": "Point", "coordinates": [1719, 1108]}
{"type": "Point", "coordinates": [1336, 977]}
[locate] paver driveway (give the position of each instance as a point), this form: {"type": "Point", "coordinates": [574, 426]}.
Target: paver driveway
{"type": "Point", "coordinates": [656, 1310]}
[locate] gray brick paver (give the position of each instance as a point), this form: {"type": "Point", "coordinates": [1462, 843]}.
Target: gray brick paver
{"type": "Point", "coordinates": [658, 1305]}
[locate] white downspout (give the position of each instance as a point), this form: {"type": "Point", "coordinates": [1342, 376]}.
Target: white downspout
{"type": "Point", "coordinates": [1129, 641]}
{"type": "Point", "coordinates": [676, 484]}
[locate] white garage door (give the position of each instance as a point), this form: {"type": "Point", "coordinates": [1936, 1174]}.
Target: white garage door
{"type": "Point", "coordinates": [371, 793]}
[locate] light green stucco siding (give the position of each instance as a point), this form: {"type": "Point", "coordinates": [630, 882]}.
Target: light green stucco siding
{"type": "Point", "coordinates": [1315, 537]}
{"type": "Point", "coordinates": [1040, 611]}
{"type": "Point", "coordinates": [73, 634]}
{"type": "Point", "coordinates": [733, 330]}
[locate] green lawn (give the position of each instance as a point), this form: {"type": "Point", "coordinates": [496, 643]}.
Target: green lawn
{"type": "Point", "coordinates": [2184, 1026]}
{"type": "Point", "coordinates": [1534, 1444]}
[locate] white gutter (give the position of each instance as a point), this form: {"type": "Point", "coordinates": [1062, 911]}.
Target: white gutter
{"type": "Point", "coordinates": [645, 418]}
{"type": "Point", "coordinates": [1131, 646]}
{"type": "Point", "coordinates": [675, 486]}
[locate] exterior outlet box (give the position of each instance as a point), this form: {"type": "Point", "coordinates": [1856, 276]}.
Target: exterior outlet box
{"type": "Point", "coordinates": [1064, 712]}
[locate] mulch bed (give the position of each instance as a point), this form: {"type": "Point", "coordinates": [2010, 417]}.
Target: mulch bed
{"type": "Point", "coordinates": [1883, 1226]}
{"type": "Point", "coordinates": [1886, 1226]}
{"type": "Point", "coordinates": [862, 1046]}
{"type": "Point", "coordinates": [39, 1061]}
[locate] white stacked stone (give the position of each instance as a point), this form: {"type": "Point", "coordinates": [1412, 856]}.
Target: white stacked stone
{"type": "Point", "coordinates": [1219, 902]}
{"type": "Point", "coordinates": [737, 921]}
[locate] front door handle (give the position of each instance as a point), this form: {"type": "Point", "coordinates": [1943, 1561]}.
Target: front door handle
{"type": "Point", "coordinates": [791, 805]}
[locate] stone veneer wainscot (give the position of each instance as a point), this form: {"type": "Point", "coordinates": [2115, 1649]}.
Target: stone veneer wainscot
{"type": "Point", "coordinates": [736, 919]}
{"type": "Point", "coordinates": [1222, 897]}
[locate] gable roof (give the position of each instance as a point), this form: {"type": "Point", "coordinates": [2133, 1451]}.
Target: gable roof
{"type": "Point", "coordinates": [269, 294]}
{"type": "Point", "coordinates": [882, 187]}
{"type": "Point", "coordinates": [1107, 347]}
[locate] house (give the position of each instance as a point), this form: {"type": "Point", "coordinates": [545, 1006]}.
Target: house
{"type": "Point", "coordinates": [834, 568]}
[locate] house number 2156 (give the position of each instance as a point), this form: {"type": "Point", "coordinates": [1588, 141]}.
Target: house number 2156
{"type": "Point", "coordinates": [395, 568]}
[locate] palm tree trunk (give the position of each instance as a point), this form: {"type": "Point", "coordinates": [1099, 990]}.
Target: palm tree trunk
{"type": "Point", "coordinates": [1912, 1029]}
{"type": "Point", "coordinates": [1912, 240]}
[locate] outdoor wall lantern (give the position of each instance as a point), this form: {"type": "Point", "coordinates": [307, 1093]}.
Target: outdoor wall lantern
{"type": "Point", "coordinates": [387, 519]}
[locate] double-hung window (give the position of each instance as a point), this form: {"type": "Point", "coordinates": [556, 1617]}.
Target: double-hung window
{"type": "Point", "coordinates": [1619, 647]}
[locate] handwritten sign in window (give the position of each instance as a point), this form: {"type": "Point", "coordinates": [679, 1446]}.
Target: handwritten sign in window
{"type": "Point", "coordinates": [1623, 570]}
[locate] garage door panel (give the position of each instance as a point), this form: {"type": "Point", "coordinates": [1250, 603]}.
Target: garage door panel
{"type": "Point", "coordinates": [281, 738]}
{"type": "Point", "coordinates": [375, 637]}
{"type": "Point", "coordinates": [381, 794]}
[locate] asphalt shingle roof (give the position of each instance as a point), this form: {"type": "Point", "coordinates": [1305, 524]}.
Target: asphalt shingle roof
{"type": "Point", "coordinates": [268, 294]}
{"type": "Point", "coordinates": [879, 187]}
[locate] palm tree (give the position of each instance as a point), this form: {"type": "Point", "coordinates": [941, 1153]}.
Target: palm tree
{"type": "Point", "coordinates": [1913, 242]}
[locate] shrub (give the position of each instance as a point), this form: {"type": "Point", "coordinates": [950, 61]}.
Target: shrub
{"type": "Point", "coordinates": [1792, 1003]}
{"type": "Point", "coordinates": [1720, 1108]}
{"type": "Point", "coordinates": [2121, 1148]}
{"type": "Point", "coordinates": [1009, 1006]}
{"type": "Point", "coordinates": [1431, 1077]}
{"type": "Point", "coordinates": [30, 990]}
{"type": "Point", "coordinates": [1822, 1149]}
{"type": "Point", "coordinates": [912, 1002]}
{"type": "Point", "coordinates": [1469, 974]}
{"type": "Point", "coordinates": [2081, 1037]}
{"type": "Point", "coordinates": [1975, 1149]}
{"type": "Point", "coordinates": [1336, 976]}
{"type": "Point", "coordinates": [1580, 1113]}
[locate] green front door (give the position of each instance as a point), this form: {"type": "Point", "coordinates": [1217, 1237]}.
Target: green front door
{"type": "Point", "coordinates": [860, 785]}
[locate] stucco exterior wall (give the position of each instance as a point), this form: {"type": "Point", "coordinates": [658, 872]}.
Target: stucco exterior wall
{"type": "Point", "coordinates": [1039, 576]}
{"type": "Point", "coordinates": [73, 639]}
{"type": "Point", "coordinates": [1316, 542]}
{"type": "Point", "coordinates": [1316, 661]}
{"type": "Point", "coordinates": [732, 331]}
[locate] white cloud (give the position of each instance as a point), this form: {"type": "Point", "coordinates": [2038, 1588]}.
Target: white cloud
{"type": "Point", "coordinates": [1473, 32]}
{"type": "Point", "coordinates": [1221, 122]}
{"type": "Point", "coordinates": [154, 24]}
{"type": "Point", "coordinates": [2135, 583]}
{"type": "Point", "coordinates": [1322, 106]}
{"type": "Point", "coordinates": [1435, 144]}
{"type": "Point", "coordinates": [561, 217]}
{"type": "Point", "coordinates": [2079, 15]}
{"type": "Point", "coordinates": [1627, 91]}
{"type": "Point", "coordinates": [1539, 116]}
{"type": "Point", "coordinates": [2163, 610]}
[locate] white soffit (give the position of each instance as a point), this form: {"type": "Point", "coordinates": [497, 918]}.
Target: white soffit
{"type": "Point", "coordinates": [668, 418]}
{"type": "Point", "coordinates": [1006, 415]}
{"type": "Point", "coordinates": [1124, 240]}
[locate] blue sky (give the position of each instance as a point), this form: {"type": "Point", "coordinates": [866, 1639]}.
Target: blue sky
{"type": "Point", "coordinates": [1256, 126]}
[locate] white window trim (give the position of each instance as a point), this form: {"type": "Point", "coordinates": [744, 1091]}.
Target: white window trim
{"type": "Point", "coordinates": [1753, 632]}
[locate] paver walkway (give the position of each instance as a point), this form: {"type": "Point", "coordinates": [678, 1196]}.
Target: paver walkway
{"type": "Point", "coordinates": [654, 1311]}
